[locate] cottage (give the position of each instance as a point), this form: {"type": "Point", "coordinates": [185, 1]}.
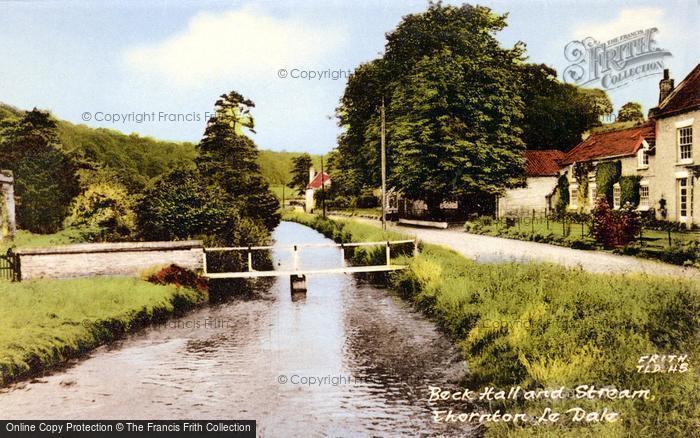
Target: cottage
{"type": "Point", "coordinates": [316, 182]}
{"type": "Point", "coordinates": [652, 166]}
{"type": "Point", "coordinates": [603, 162]}
{"type": "Point", "coordinates": [542, 173]}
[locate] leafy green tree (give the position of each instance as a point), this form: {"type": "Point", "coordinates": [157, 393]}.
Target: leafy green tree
{"type": "Point", "coordinates": [228, 158]}
{"type": "Point", "coordinates": [630, 112]}
{"type": "Point", "coordinates": [454, 128]}
{"type": "Point", "coordinates": [555, 113]}
{"type": "Point", "coordinates": [300, 172]}
{"type": "Point", "coordinates": [105, 211]}
{"type": "Point", "coordinates": [179, 205]}
{"type": "Point", "coordinates": [45, 175]}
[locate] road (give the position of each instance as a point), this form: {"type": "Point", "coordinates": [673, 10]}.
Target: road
{"type": "Point", "coordinates": [498, 249]}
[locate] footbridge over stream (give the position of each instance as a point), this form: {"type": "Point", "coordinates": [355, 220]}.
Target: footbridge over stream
{"type": "Point", "coordinates": [297, 274]}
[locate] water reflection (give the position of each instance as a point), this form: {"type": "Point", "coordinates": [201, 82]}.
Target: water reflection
{"type": "Point", "coordinates": [262, 359]}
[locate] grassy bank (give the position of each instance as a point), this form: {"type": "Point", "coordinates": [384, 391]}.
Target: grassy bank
{"type": "Point", "coordinates": [544, 326]}
{"type": "Point", "coordinates": [45, 322]}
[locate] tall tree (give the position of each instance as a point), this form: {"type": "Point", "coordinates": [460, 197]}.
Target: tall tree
{"type": "Point", "coordinates": [228, 158]}
{"type": "Point", "coordinates": [630, 112]}
{"type": "Point", "coordinates": [555, 113]}
{"type": "Point", "coordinates": [45, 174]}
{"type": "Point", "coordinates": [300, 172]}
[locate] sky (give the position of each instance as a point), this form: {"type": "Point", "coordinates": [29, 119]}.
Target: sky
{"type": "Point", "coordinates": [157, 67]}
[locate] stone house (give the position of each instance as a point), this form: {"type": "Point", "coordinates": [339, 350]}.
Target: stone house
{"type": "Point", "coordinates": [662, 155]}
{"type": "Point", "coordinates": [542, 173]}
{"type": "Point", "coordinates": [677, 159]}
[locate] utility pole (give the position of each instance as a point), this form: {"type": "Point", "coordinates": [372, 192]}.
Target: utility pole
{"type": "Point", "coordinates": [323, 190]}
{"type": "Point", "coordinates": [383, 168]}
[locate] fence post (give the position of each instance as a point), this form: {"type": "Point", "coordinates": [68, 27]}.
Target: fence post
{"type": "Point", "coordinates": [388, 254]}
{"type": "Point", "coordinates": [669, 236]}
{"type": "Point", "coordinates": [342, 255]}
{"type": "Point", "coordinates": [250, 260]}
{"type": "Point", "coordinates": [415, 248]}
{"type": "Point", "coordinates": [532, 226]}
{"type": "Point", "coordinates": [546, 218]}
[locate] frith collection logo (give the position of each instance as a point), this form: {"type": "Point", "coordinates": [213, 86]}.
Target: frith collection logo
{"type": "Point", "coordinates": [614, 63]}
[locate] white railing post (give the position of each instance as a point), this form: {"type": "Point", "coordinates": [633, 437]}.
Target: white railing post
{"type": "Point", "coordinates": [388, 254]}
{"type": "Point", "coordinates": [342, 256]}
{"type": "Point", "coordinates": [415, 248]}
{"type": "Point", "coordinates": [204, 261]}
{"type": "Point", "coordinates": [250, 260]}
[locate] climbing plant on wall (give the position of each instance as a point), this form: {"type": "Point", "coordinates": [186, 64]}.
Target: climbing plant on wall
{"type": "Point", "coordinates": [581, 171]}
{"type": "Point", "coordinates": [607, 174]}
{"type": "Point", "coordinates": [629, 190]}
{"type": "Point", "coordinates": [563, 187]}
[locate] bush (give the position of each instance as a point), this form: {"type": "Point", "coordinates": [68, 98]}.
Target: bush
{"type": "Point", "coordinates": [629, 190]}
{"type": "Point", "coordinates": [179, 277]}
{"type": "Point", "coordinates": [615, 228]}
{"type": "Point", "coordinates": [179, 206]}
{"type": "Point", "coordinates": [104, 211]}
{"type": "Point", "coordinates": [367, 199]}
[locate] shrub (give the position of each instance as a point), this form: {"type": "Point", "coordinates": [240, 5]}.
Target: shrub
{"type": "Point", "coordinates": [179, 277]}
{"type": "Point", "coordinates": [179, 206]}
{"type": "Point", "coordinates": [105, 211]}
{"type": "Point", "coordinates": [615, 228]}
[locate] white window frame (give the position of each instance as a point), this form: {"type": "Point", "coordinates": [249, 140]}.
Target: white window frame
{"type": "Point", "coordinates": [617, 196]}
{"type": "Point", "coordinates": [643, 156]}
{"type": "Point", "coordinates": [593, 193]}
{"type": "Point", "coordinates": [685, 132]}
{"type": "Point", "coordinates": [683, 183]}
{"type": "Point", "coordinates": [573, 196]}
{"type": "Point", "coordinates": [644, 186]}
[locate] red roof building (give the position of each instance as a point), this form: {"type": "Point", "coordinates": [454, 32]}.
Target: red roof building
{"type": "Point", "coordinates": [315, 183]}
{"type": "Point", "coordinates": [612, 144]}
{"type": "Point", "coordinates": [684, 97]}
{"type": "Point", "coordinates": [543, 163]}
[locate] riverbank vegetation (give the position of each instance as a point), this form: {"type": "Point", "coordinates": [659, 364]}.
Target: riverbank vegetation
{"type": "Point", "coordinates": [545, 326]}
{"type": "Point", "coordinates": [44, 323]}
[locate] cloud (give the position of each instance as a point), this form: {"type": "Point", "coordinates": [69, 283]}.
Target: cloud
{"type": "Point", "coordinates": [234, 44]}
{"type": "Point", "coordinates": [628, 20]}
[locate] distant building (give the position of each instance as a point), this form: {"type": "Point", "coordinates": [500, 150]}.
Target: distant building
{"type": "Point", "coordinates": [316, 181]}
{"type": "Point", "coordinates": [542, 173]}
{"type": "Point", "coordinates": [7, 205]}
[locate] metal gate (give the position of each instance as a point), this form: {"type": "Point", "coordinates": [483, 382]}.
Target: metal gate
{"type": "Point", "coordinates": [9, 266]}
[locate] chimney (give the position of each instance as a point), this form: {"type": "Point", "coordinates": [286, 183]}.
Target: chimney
{"type": "Point", "coordinates": [312, 174]}
{"type": "Point", "coordinates": [665, 86]}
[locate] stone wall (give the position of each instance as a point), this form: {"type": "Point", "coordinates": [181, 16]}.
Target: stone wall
{"type": "Point", "coordinates": [92, 259]}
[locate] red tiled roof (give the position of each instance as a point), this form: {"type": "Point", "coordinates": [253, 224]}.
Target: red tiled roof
{"type": "Point", "coordinates": [543, 163]}
{"type": "Point", "coordinates": [316, 182]}
{"type": "Point", "coordinates": [684, 97]}
{"type": "Point", "coordinates": [618, 143]}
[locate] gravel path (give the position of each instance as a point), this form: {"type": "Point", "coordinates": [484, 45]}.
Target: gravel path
{"type": "Point", "coordinates": [497, 249]}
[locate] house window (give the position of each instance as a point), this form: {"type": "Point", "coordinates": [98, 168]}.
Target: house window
{"type": "Point", "coordinates": [617, 196]}
{"type": "Point", "coordinates": [644, 197]}
{"type": "Point", "coordinates": [643, 156]}
{"type": "Point", "coordinates": [683, 199]}
{"type": "Point", "coordinates": [685, 144]}
{"type": "Point", "coordinates": [594, 193]}
{"type": "Point", "coordinates": [573, 196]}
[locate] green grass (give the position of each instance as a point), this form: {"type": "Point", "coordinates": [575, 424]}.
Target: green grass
{"type": "Point", "coordinates": [288, 193]}
{"type": "Point", "coordinates": [375, 212]}
{"type": "Point", "coordinates": [543, 326]}
{"type": "Point", "coordinates": [45, 322]}
{"type": "Point", "coordinates": [26, 239]}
